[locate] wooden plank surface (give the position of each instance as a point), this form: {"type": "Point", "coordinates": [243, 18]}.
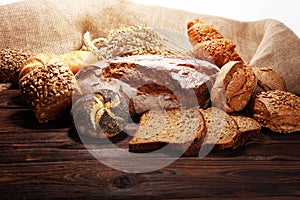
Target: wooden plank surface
{"type": "Point", "coordinates": [49, 162]}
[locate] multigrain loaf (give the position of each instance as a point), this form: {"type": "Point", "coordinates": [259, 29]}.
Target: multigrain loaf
{"type": "Point", "coordinates": [46, 84]}
{"type": "Point", "coordinates": [11, 62]}
{"type": "Point", "coordinates": [278, 111]}
{"type": "Point", "coordinates": [233, 87]}
{"type": "Point", "coordinates": [181, 130]}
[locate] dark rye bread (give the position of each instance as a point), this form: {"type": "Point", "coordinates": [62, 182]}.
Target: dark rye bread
{"type": "Point", "coordinates": [182, 130]}
{"type": "Point", "coordinates": [184, 80]}
{"type": "Point", "coordinates": [248, 128]}
{"type": "Point", "coordinates": [222, 130]}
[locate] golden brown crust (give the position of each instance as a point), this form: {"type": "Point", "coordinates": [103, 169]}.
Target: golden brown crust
{"type": "Point", "coordinates": [210, 45]}
{"type": "Point", "coordinates": [234, 86]}
{"type": "Point", "coordinates": [199, 32]}
{"type": "Point", "coordinates": [216, 51]}
{"type": "Point", "coordinates": [278, 111]}
{"type": "Point", "coordinates": [76, 60]}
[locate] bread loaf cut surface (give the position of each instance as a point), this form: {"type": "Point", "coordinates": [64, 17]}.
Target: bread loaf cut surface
{"type": "Point", "coordinates": [222, 130]}
{"type": "Point", "coordinates": [183, 130]}
{"type": "Point", "coordinates": [247, 127]}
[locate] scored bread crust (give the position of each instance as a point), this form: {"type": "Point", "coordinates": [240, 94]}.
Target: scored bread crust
{"type": "Point", "coordinates": [278, 111]}
{"type": "Point", "coordinates": [268, 79]}
{"type": "Point", "coordinates": [233, 87]}
{"type": "Point", "coordinates": [184, 80]}
{"type": "Point", "coordinates": [181, 130]}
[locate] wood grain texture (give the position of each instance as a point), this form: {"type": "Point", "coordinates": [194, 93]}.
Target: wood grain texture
{"type": "Point", "coordinates": [49, 161]}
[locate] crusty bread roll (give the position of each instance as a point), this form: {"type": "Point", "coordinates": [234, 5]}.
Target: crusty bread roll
{"type": "Point", "coordinates": [233, 87]}
{"type": "Point", "coordinates": [76, 60]}
{"type": "Point", "coordinates": [278, 111]}
{"type": "Point", "coordinates": [102, 114]}
{"type": "Point", "coordinates": [268, 79]}
{"type": "Point", "coordinates": [46, 83]}
{"type": "Point", "coordinates": [210, 45]}
{"type": "Point", "coordinates": [11, 62]}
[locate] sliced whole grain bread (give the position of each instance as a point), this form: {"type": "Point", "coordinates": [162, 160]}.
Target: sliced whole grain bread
{"type": "Point", "coordinates": [182, 130]}
{"type": "Point", "coordinates": [248, 128]}
{"type": "Point", "coordinates": [222, 130]}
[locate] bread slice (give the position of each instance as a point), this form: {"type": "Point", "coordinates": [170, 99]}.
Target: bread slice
{"type": "Point", "coordinates": [248, 128]}
{"type": "Point", "coordinates": [222, 130]}
{"type": "Point", "coordinates": [182, 130]}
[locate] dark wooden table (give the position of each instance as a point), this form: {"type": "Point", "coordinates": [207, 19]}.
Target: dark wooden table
{"type": "Point", "coordinates": [49, 161]}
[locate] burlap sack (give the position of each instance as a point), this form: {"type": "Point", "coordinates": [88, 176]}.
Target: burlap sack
{"type": "Point", "coordinates": [57, 26]}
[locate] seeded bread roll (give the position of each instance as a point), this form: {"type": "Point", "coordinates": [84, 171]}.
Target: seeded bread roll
{"type": "Point", "coordinates": [278, 111]}
{"type": "Point", "coordinates": [182, 130]}
{"type": "Point", "coordinates": [46, 83]}
{"type": "Point", "coordinates": [102, 114]}
{"type": "Point", "coordinates": [222, 130]}
{"type": "Point", "coordinates": [76, 60]}
{"type": "Point", "coordinates": [210, 45]}
{"type": "Point", "coordinates": [233, 87]}
{"type": "Point", "coordinates": [248, 128]}
{"type": "Point", "coordinates": [268, 79]}
{"type": "Point", "coordinates": [11, 61]}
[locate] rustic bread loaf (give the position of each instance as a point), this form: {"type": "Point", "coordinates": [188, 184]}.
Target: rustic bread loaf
{"type": "Point", "coordinates": [102, 114]}
{"type": "Point", "coordinates": [234, 86]}
{"type": "Point", "coordinates": [183, 80]}
{"type": "Point", "coordinates": [222, 129]}
{"type": "Point", "coordinates": [11, 62]}
{"type": "Point", "coordinates": [182, 130]}
{"type": "Point", "coordinates": [278, 111]}
{"type": "Point", "coordinates": [46, 84]}
{"type": "Point", "coordinates": [210, 45]}
{"type": "Point", "coordinates": [90, 81]}
{"type": "Point", "coordinates": [248, 128]}
{"type": "Point", "coordinates": [268, 79]}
